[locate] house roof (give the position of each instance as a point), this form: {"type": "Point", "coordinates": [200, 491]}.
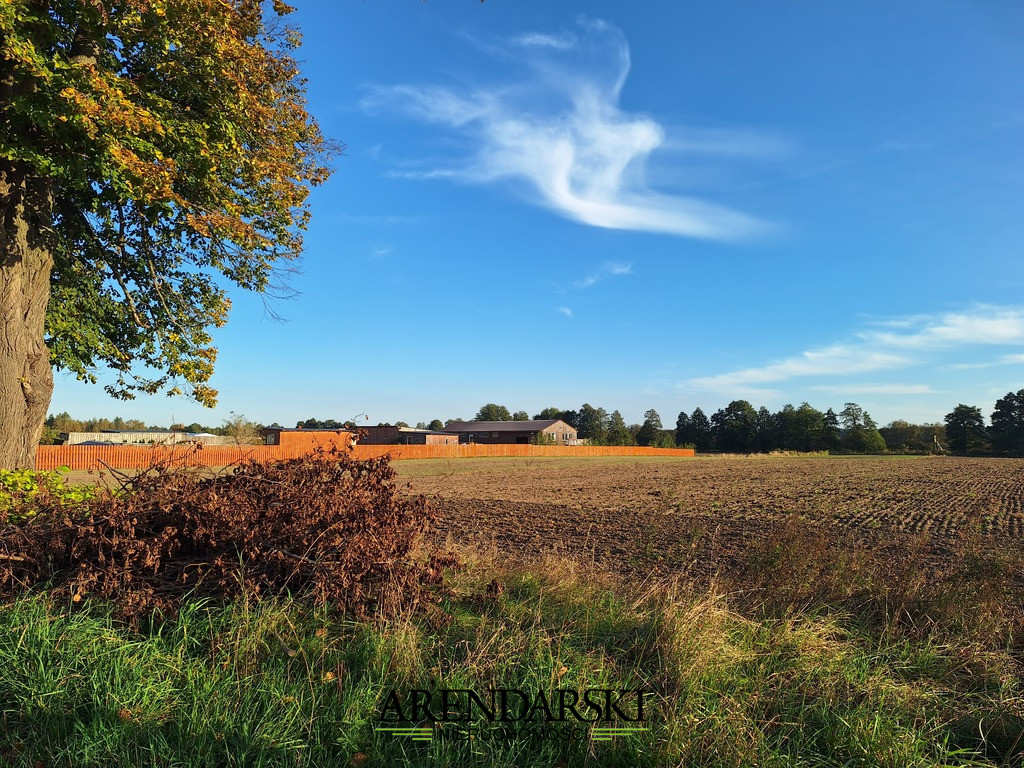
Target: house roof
{"type": "Point", "coordinates": [536, 425]}
{"type": "Point", "coordinates": [138, 431]}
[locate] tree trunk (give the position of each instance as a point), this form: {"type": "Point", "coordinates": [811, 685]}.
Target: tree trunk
{"type": "Point", "coordinates": [26, 260]}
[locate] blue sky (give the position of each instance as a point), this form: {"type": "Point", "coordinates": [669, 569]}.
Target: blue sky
{"type": "Point", "coordinates": [658, 205]}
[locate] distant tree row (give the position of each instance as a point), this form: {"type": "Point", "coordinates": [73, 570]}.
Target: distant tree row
{"type": "Point", "coordinates": [63, 422]}
{"type": "Point", "coordinates": [436, 425]}
{"type": "Point", "coordinates": [595, 425]}
{"type": "Point", "coordinates": [967, 434]}
{"type": "Point", "coordinates": [236, 426]}
{"type": "Point", "coordinates": [736, 428]}
{"type": "Point", "coordinates": [740, 428]}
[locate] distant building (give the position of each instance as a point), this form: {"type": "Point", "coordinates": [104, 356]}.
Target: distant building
{"type": "Point", "coordinates": [388, 435]}
{"type": "Point", "coordinates": [520, 432]}
{"type": "Point", "coordinates": [141, 437]}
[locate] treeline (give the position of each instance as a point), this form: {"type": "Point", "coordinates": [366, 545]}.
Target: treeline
{"type": "Point", "coordinates": [63, 422]}
{"type": "Point", "coordinates": [736, 428]}
{"type": "Point", "coordinates": [967, 433]}
{"type": "Point", "coordinates": [236, 426]}
{"type": "Point", "coordinates": [741, 428]}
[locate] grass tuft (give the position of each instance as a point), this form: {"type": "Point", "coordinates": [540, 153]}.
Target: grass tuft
{"type": "Point", "coordinates": [273, 683]}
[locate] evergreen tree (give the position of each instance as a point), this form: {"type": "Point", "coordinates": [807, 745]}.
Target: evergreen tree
{"type": "Point", "coordinates": [618, 432]}
{"type": "Point", "coordinates": [684, 433]}
{"type": "Point", "coordinates": [830, 432]}
{"type": "Point", "coordinates": [649, 429]}
{"type": "Point", "coordinates": [766, 431]}
{"type": "Point", "coordinates": [1008, 424]}
{"type": "Point", "coordinates": [701, 426]}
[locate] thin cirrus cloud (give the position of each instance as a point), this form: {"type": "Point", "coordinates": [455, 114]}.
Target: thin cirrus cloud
{"type": "Point", "coordinates": [904, 343]}
{"type": "Point", "coordinates": [876, 389]}
{"type": "Point", "coordinates": [558, 127]}
{"type": "Point", "coordinates": [1016, 359]}
{"type": "Point", "coordinates": [563, 42]}
{"type": "Point", "coordinates": [609, 269]}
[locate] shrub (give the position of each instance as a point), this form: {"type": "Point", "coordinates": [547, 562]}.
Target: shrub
{"type": "Point", "coordinates": [324, 527]}
{"type": "Point", "coordinates": [24, 493]}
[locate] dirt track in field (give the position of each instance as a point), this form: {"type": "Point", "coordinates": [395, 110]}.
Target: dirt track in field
{"type": "Point", "coordinates": [651, 515]}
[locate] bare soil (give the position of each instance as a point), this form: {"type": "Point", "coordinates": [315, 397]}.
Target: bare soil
{"type": "Point", "coordinates": [650, 516]}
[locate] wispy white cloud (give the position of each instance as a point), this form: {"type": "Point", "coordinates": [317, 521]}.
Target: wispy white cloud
{"type": "Point", "coordinates": [606, 269]}
{"type": "Point", "coordinates": [968, 366]}
{"type": "Point", "coordinates": [838, 359]}
{"type": "Point", "coordinates": [905, 343]}
{"type": "Point", "coordinates": [560, 130]}
{"type": "Point", "coordinates": [562, 42]}
{"type": "Point", "coordinates": [988, 326]}
{"type": "Point", "coordinates": [565, 311]}
{"type": "Point", "coordinates": [876, 389]}
{"type": "Point", "coordinates": [1003, 360]}
{"type": "Point", "coordinates": [380, 251]}
{"type": "Point", "coordinates": [433, 173]}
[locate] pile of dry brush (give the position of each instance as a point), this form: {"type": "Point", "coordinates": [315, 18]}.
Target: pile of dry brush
{"type": "Point", "coordinates": [325, 527]}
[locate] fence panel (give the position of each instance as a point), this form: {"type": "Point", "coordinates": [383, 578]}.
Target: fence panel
{"type": "Point", "coordinates": [140, 457]}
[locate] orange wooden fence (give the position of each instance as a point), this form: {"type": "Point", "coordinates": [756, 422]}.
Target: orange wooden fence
{"type": "Point", "coordinates": [138, 457]}
{"type": "Point", "coordinates": [483, 450]}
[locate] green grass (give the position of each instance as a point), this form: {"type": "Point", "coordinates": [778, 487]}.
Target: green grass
{"type": "Point", "coordinates": [274, 684]}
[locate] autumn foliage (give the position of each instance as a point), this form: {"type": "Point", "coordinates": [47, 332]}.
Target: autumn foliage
{"type": "Point", "coordinates": [151, 154]}
{"type": "Point", "coordinates": [326, 528]}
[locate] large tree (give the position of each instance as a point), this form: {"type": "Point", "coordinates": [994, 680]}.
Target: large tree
{"type": "Point", "coordinates": [769, 427]}
{"type": "Point", "coordinates": [649, 430]}
{"type": "Point", "coordinates": [810, 427]}
{"type": "Point", "coordinates": [860, 433]}
{"type": "Point", "coordinates": [830, 432]}
{"type": "Point", "coordinates": [618, 432]}
{"type": "Point", "coordinates": [1008, 424]}
{"type": "Point", "coordinates": [493, 412]}
{"type": "Point", "coordinates": [735, 427]}
{"type": "Point", "coordinates": [592, 424]}
{"type": "Point", "coordinates": [569, 417]}
{"type": "Point", "coordinates": [150, 154]}
{"type": "Point", "coordinates": [684, 431]}
{"type": "Point", "coordinates": [701, 426]}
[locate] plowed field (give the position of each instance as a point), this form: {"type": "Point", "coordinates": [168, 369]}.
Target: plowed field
{"type": "Point", "coordinates": [647, 515]}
